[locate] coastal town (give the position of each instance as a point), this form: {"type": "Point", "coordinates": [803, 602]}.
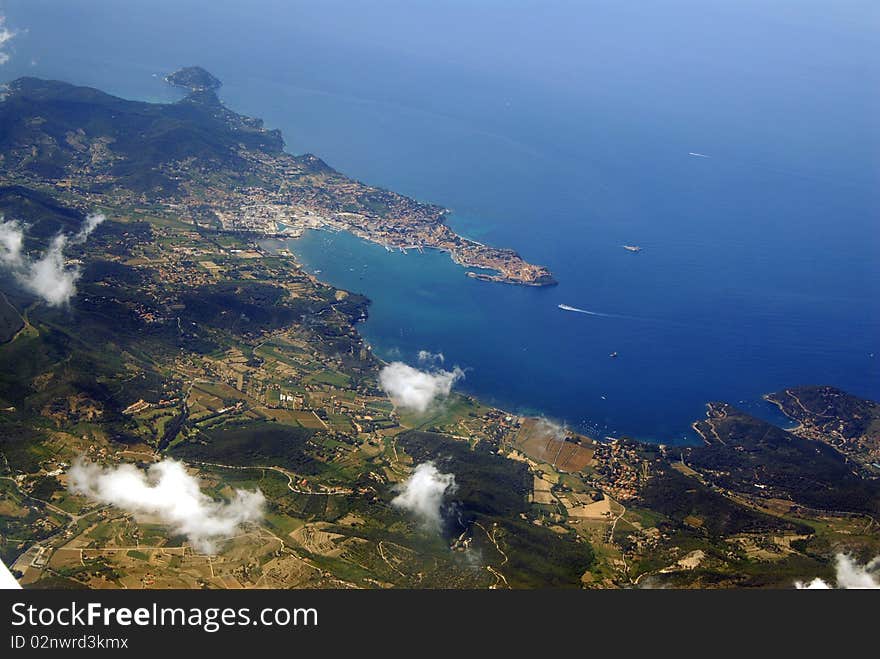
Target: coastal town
{"type": "Point", "coordinates": [249, 184]}
{"type": "Point", "coordinates": [304, 193]}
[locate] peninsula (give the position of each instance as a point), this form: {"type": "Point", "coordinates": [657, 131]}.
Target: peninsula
{"type": "Point", "coordinates": [216, 169]}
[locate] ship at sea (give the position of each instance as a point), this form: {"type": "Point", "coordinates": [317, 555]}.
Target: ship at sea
{"type": "Point", "coordinates": [632, 248]}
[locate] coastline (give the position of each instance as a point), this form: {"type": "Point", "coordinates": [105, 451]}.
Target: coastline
{"type": "Point", "coordinates": [799, 425]}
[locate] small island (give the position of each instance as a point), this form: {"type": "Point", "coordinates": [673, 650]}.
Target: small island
{"type": "Point", "coordinates": [193, 78]}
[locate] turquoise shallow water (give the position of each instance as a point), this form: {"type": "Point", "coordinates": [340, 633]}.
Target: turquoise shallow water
{"type": "Point", "coordinates": [564, 134]}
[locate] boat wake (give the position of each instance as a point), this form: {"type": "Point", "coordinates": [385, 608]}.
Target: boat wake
{"type": "Point", "coordinates": [567, 307]}
{"type": "Point", "coordinates": [618, 316]}
{"type": "Point", "coordinates": [698, 155]}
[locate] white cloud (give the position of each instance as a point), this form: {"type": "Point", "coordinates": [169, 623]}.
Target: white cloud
{"type": "Point", "coordinates": [48, 276]}
{"type": "Point", "coordinates": [815, 584]}
{"type": "Point", "coordinates": [422, 494]}
{"type": "Point", "coordinates": [427, 357]}
{"type": "Point", "coordinates": [849, 575]}
{"type": "Point", "coordinates": [168, 492]}
{"type": "Point", "coordinates": [11, 242]}
{"type": "Point", "coordinates": [91, 223]}
{"type": "Point", "coordinates": [6, 35]}
{"type": "Point", "coordinates": [414, 390]}
{"type": "Point", "coordinates": [548, 428]}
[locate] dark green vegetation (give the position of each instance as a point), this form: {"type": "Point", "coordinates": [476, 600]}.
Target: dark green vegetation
{"type": "Point", "coordinates": [755, 506]}
{"type": "Point", "coordinates": [826, 414]}
{"type": "Point", "coordinates": [249, 308]}
{"type": "Point", "coordinates": [493, 490]}
{"type": "Point", "coordinates": [18, 521]}
{"type": "Point", "coordinates": [72, 365]}
{"type": "Point", "coordinates": [694, 508]}
{"type": "Point", "coordinates": [42, 214]}
{"type": "Point", "coordinates": [745, 454]}
{"type": "Point", "coordinates": [261, 443]}
{"type": "Point", "coordinates": [10, 320]}
{"type": "Point", "coordinates": [194, 78]}
{"type": "Point", "coordinates": [50, 127]}
{"type": "Point", "coordinates": [21, 446]}
{"type": "Point", "coordinates": [832, 410]}
{"type": "Point", "coordinates": [55, 376]}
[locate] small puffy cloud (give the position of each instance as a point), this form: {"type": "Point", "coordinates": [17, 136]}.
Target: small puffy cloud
{"type": "Point", "coordinates": [815, 584]}
{"type": "Point", "coordinates": [6, 35]}
{"type": "Point", "coordinates": [48, 276]}
{"type": "Point", "coordinates": [11, 243]}
{"type": "Point", "coordinates": [547, 428]}
{"type": "Point", "coordinates": [91, 223]}
{"type": "Point", "coordinates": [427, 357]}
{"type": "Point", "coordinates": [413, 390]}
{"type": "Point", "coordinates": [422, 494]}
{"type": "Point", "coordinates": [165, 490]}
{"type": "Point", "coordinates": [849, 575]}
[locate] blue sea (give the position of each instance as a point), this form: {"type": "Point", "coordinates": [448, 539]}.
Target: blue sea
{"type": "Point", "coordinates": [564, 130]}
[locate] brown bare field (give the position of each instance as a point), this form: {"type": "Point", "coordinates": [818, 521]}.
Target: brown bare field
{"type": "Point", "coordinates": [199, 396]}
{"type": "Point", "coordinates": [541, 491]}
{"type": "Point", "coordinates": [313, 538]}
{"type": "Point", "coordinates": [693, 521]}
{"type": "Point", "coordinates": [543, 496]}
{"type": "Point", "coordinates": [541, 484]}
{"type": "Point", "coordinates": [541, 442]}
{"type": "Point", "coordinates": [307, 419]}
{"type": "Point", "coordinates": [65, 557]}
{"type": "Point", "coordinates": [9, 508]}
{"type": "Point", "coordinates": [597, 510]}
{"type": "Point", "coordinates": [288, 417]}
{"type": "Point", "coordinates": [684, 469]}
